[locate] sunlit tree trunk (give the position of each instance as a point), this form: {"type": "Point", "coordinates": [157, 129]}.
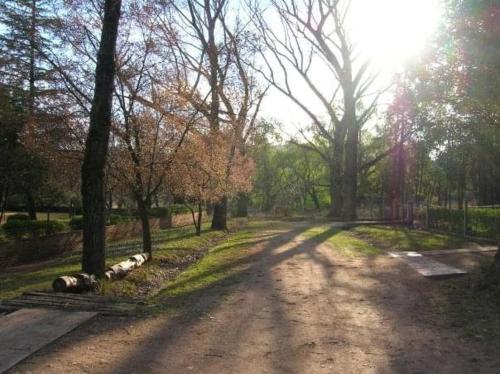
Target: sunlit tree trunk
{"type": "Point", "coordinates": [96, 146]}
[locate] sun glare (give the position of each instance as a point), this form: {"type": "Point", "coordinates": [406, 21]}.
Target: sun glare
{"type": "Point", "coordinates": [391, 32]}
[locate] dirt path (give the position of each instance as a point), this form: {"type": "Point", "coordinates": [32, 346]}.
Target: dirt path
{"type": "Point", "coordinates": [298, 308]}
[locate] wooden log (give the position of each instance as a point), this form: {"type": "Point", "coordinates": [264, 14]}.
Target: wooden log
{"type": "Point", "coordinates": [75, 283]}
{"type": "Point", "coordinates": [121, 269]}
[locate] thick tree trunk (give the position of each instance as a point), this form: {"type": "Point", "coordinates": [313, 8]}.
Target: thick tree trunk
{"type": "Point", "coordinates": [30, 204]}
{"type": "Point", "coordinates": [219, 218]}
{"type": "Point", "coordinates": [242, 205]}
{"type": "Point", "coordinates": [96, 146]}
{"type": "Point", "coordinates": [142, 207]}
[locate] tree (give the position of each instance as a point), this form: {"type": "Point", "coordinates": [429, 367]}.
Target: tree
{"type": "Point", "coordinates": [96, 146]}
{"type": "Point", "coordinates": [27, 29]}
{"type": "Point", "coordinates": [200, 176]}
{"type": "Point", "coordinates": [211, 54]}
{"type": "Point", "coordinates": [313, 35]}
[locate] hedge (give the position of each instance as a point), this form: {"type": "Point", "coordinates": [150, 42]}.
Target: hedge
{"type": "Point", "coordinates": [18, 217]}
{"type": "Point", "coordinates": [481, 222]}
{"type": "Point", "coordinates": [19, 229]}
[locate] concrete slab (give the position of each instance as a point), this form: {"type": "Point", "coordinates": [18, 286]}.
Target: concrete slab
{"type": "Point", "coordinates": [460, 250]}
{"type": "Point", "coordinates": [27, 330]}
{"type": "Point", "coordinates": [426, 266]}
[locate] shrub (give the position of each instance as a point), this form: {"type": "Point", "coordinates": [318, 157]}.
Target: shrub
{"type": "Point", "coordinates": [76, 222]}
{"type": "Point", "coordinates": [159, 212]}
{"type": "Point", "coordinates": [18, 217]}
{"type": "Point", "coordinates": [18, 229]}
{"type": "Point", "coordinates": [178, 209]}
{"type": "Point", "coordinates": [115, 219]}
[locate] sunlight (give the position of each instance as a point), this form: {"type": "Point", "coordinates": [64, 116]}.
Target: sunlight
{"type": "Point", "coordinates": [391, 32]}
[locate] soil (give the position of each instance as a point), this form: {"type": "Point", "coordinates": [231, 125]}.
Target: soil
{"type": "Point", "coordinates": [297, 307]}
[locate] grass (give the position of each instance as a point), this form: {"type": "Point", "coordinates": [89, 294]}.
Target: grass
{"type": "Point", "coordinates": [343, 241]}
{"type": "Point", "coordinates": [170, 243]}
{"type": "Point", "coordinates": [403, 239]}
{"type": "Point", "coordinates": [223, 265]}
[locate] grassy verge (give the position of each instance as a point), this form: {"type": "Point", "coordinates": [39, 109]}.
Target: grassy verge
{"type": "Point", "coordinates": [403, 239]}
{"type": "Point", "coordinates": [343, 241]}
{"type": "Point", "coordinates": [224, 264]}
{"type": "Point", "coordinates": [169, 245]}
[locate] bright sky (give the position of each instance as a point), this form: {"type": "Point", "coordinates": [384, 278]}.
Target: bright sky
{"type": "Point", "coordinates": [389, 32]}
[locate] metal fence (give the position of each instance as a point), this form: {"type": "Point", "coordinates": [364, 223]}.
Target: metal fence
{"type": "Point", "coordinates": [470, 221]}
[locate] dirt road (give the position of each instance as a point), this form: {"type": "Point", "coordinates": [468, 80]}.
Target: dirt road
{"type": "Point", "coordinates": [298, 307]}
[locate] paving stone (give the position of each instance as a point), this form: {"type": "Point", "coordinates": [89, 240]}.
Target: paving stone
{"type": "Point", "coordinates": [426, 266]}
{"type": "Point", "coordinates": [27, 330]}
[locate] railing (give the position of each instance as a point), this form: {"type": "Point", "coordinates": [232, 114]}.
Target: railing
{"type": "Point", "coordinates": [470, 221]}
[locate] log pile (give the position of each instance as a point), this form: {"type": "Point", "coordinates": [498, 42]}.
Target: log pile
{"type": "Point", "coordinates": [83, 282]}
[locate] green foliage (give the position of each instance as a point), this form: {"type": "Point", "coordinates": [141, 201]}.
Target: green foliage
{"type": "Point", "coordinates": [481, 222]}
{"type": "Point", "coordinates": [76, 222]}
{"type": "Point", "coordinates": [178, 209]}
{"type": "Point", "coordinates": [18, 217]}
{"type": "Point", "coordinates": [115, 219]}
{"type": "Point", "coordinates": [159, 212]}
{"type": "Point", "coordinates": [20, 229]}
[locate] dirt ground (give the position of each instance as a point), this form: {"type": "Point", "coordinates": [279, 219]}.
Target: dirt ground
{"type": "Point", "coordinates": [299, 307]}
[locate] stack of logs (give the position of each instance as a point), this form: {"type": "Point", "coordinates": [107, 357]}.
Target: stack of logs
{"type": "Point", "coordinates": [83, 282]}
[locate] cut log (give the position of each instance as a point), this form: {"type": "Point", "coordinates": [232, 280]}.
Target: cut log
{"type": "Point", "coordinates": [75, 283]}
{"type": "Point", "coordinates": [123, 268]}
{"type": "Point", "coordinates": [84, 282]}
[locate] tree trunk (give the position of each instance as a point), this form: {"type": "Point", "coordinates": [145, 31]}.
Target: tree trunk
{"type": "Point", "coordinates": [350, 180]}
{"type": "Point", "coordinates": [142, 207]}
{"type": "Point", "coordinates": [199, 220]}
{"type": "Point", "coordinates": [336, 175]}
{"type": "Point", "coordinates": [219, 218]}
{"type": "Point", "coordinates": [30, 204]}
{"type": "Point", "coordinates": [242, 205]}
{"type": "Point", "coordinates": [96, 146]}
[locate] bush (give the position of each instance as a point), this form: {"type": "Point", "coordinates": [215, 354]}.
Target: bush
{"type": "Point", "coordinates": [115, 219]}
{"type": "Point", "coordinates": [19, 229]}
{"type": "Point", "coordinates": [481, 222]}
{"type": "Point", "coordinates": [18, 217]}
{"type": "Point", "coordinates": [159, 212]}
{"type": "Point", "coordinates": [76, 222]}
{"type": "Point", "coordinates": [178, 209]}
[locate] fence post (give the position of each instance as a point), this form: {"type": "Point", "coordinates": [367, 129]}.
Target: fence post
{"type": "Point", "coordinates": [466, 204]}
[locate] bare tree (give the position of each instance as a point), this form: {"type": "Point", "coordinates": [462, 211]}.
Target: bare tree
{"type": "Point", "coordinates": [211, 54]}
{"type": "Point", "coordinates": [313, 35]}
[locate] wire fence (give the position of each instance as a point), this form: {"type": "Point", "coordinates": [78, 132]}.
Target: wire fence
{"type": "Point", "coordinates": [470, 221]}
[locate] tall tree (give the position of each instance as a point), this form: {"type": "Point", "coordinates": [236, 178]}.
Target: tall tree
{"type": "Point", "coordinates": [312, 35]}
{"type": "Point", "coordinates": [96, 146]}
{"type": "Point", "coordinates": [27, 26]}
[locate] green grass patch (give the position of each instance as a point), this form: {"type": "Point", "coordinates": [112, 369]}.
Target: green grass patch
{"type": "Point", "coordinates": [224, 264]}
{"type": "Point", "coordinates": [170, 243]}
{"type": "Point", "coordinates": [399, 238]}
{"type": "Point", "coordinates": [343, 241]}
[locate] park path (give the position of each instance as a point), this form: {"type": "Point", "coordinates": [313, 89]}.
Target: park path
{"type": "Point", "coordinates": [298, 307]}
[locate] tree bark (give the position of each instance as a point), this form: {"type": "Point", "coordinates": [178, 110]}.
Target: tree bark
{"type": "Point", "coordinates": [96, 146]}
{"type": "Point", "coordinates": [242, 205]}
{"type": "Point", "coordinates": [350, 181]}
{"type": "Point", "coordinates": [199, 220]}
{"type": "Point", "coordinates": [219, 218]}
{"type": "Point", "coordinates": [30, 204]}
{"type": "Point", "coordinates": [142, 207]}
